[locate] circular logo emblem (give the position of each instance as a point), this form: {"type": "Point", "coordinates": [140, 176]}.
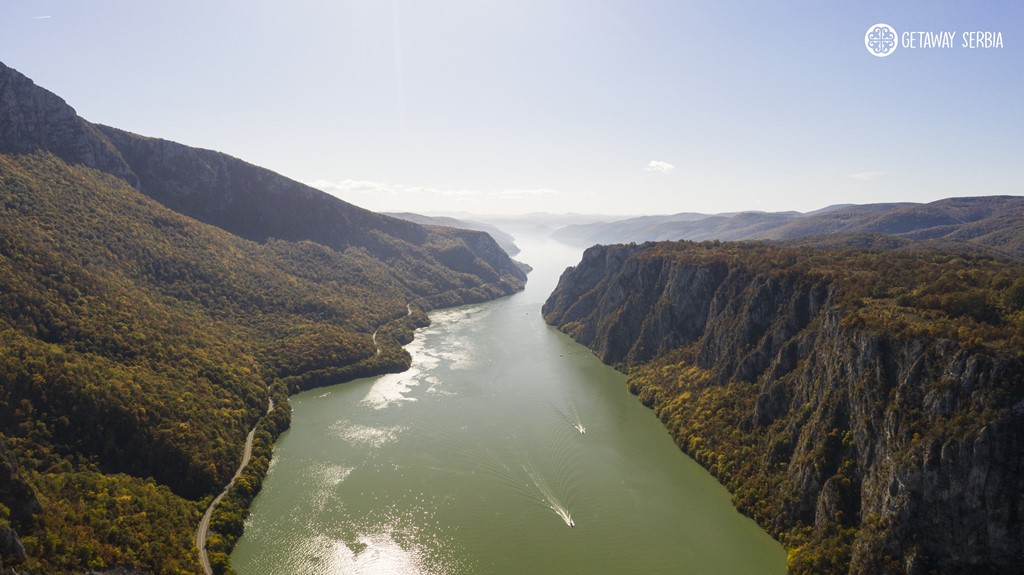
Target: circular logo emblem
{"type": "Point", "coordinates": [880, 40]}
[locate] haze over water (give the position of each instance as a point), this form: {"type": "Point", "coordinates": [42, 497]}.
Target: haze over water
{"type": "Point", "coordinates": [506, 449]}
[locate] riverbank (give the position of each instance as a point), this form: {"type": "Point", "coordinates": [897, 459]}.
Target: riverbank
{"type": "Point", "coordinates": [223, 523]}
{"type": "Point", "coordinates": [204, 524]}
{"type": "Point", "coordinates": [476, 452]}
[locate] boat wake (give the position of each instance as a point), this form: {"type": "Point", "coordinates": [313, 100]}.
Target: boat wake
{"type": "Point", "coordinates": [547, 495]}
{"type": "Point", "coordinates": [535, 486]}
{"type": "Point", "coordinates": [573, 418]}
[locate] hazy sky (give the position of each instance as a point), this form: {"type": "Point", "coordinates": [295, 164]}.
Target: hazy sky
{"type": "Point", "coordinates": [554, 105]}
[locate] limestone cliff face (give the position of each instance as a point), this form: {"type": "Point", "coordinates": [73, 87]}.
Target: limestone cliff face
{"type": "Point", "coordinates": [484, 251]}
{"type": "Point", "coordinates": [35, 119]}
{"type": "Point", "coordinates": [906, 451]}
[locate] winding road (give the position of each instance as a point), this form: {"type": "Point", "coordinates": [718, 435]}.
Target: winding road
{"type": "Point", "coordinates": [204, 525]}
{"type": "Point", "coordinates": [408, 310]}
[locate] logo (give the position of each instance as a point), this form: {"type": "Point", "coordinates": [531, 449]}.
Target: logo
{"type": "Point", "coordinates": [881, 40]}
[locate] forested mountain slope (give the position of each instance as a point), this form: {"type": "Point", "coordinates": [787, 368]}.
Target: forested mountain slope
{"type": "Point", "coordinates": [504, 239]}
{"type": "Point", "coordinates": [864, 405]}
{"type": "Point", "coordinates": [152, 297]}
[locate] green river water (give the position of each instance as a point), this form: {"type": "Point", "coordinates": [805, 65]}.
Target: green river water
{"type": "Point", "coordinates": [478, 459]}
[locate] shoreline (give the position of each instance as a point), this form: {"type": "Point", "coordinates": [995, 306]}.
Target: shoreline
{"type": "Point", "coordinates": [202, 533]}
{"type": "Point", "coordinates": [401, 331]}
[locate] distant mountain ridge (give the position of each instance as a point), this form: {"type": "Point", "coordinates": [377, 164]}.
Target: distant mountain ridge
{"type": "Point", "coordinates": [505, 240]}
{"type": "Point", "coordinates": [995, 222]}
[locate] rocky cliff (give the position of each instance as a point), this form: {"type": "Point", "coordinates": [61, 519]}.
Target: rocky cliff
{"type": "Point", "coordinates": [867, 407]}
{"type": "Point", "coordinates": [18, 508]}
{"type": "Point", "coordinates": [32, 118]}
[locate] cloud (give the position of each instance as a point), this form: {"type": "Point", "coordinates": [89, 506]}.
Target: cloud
{"type": "Point", "coordinates": [40, 17]}
{"type": "Point", "coordinates": [345, 187]}
{"type": "Point", "coordinates": [348, 188]}
{"type": "Point", "coordinates": [865, 176]}
{"type": "Point", "coordinates": [658, 166]}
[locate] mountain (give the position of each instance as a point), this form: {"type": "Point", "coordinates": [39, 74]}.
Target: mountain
{"type": "Point", "coordinates": [537, 224]}
{"type": "Point", "coordinates": [996, 222]}
{"type": "Point", "coordinates": [864, 405]}
{"type": "Point", "coordinates": [590, 233]}
{"type": "Point", "coordinates": [505, 240]}
{"type": "Point", "coordinates": [35, 119]}
{"type": "Point", "coordinates": [153, 298]}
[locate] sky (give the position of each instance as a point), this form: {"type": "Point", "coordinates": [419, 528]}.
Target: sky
{"type": "Point", "coordinates": [587, 106]}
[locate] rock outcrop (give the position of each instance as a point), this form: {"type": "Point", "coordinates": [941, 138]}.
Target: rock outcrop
{"type": "Point", "coordinates": [866, 447]}
{"type": "Point", "coordinates": [20, 505]}
{"type": "Point", "coordinates": [32, 119]}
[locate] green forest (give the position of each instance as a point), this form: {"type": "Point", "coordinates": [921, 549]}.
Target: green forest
{"type": "Point", "coordinates": [138, 347]}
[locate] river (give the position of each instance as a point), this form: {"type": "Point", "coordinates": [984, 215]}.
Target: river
{"type": "Point", "coordinates": [507, 448]}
